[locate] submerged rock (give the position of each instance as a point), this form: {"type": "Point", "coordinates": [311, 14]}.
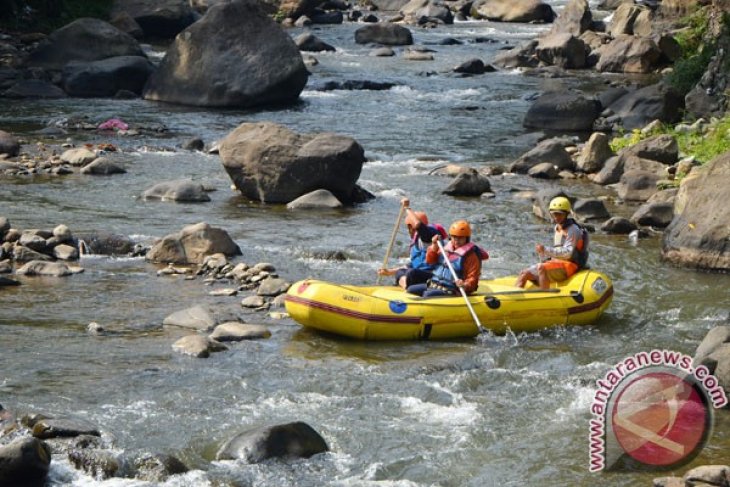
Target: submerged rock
{"type": "Point", "coordinates": [285, 440]}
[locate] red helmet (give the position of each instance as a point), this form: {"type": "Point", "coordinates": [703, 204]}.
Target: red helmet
{"type": "Point", "coordinates": [412, 218]}
{"type": "Point", "coordinates": [460, 228]}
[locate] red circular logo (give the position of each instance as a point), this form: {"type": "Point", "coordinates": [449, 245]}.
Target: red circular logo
{"type": "Point", "coordinates": [660, 419]}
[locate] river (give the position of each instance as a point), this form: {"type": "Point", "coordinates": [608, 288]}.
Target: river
{"type": "Point", "coordinates": [510, 410]}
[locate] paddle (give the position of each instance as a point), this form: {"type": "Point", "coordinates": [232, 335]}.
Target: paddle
{"type": "Point", "coordinates": [463, 293]}
{"type": "Point", "coordinates": [392, 240]}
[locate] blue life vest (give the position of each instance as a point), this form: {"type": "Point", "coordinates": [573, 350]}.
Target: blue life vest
{"type": "Point", "coordinates": [419, 247]}
{"type": "Point", "coordinates": [442, 275]}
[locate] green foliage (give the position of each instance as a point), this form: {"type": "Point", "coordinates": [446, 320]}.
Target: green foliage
{"type": "Point", "coordinates": [708, 144]}
{"type": "Point", "coordinates": [704, 145]}
{"type": "Point", "coordinates": [48, 15]}
{"type": "Point", "coordinates": [697, 51]}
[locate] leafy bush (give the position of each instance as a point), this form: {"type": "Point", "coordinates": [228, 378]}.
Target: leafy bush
{"type": "Point", "coordinates": [697, 52]}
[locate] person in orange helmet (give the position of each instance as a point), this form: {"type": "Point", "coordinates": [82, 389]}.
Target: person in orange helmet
{"type": "Point", "coordinates": [465, 257]}
{"type": "Point", "coordinates": [421, 232]}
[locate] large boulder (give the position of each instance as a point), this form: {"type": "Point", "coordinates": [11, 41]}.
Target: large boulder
{"type": "Point", "coordinates": [34, 88]}
{"type": "Point", "coordinates": [699, 233]}
{"type": "Point", "coordinates": [470, 183]}
{"type": "Point", "coordinates": [575, 18]}
{"type": "Point", "coordinates": [415, 10]}
{"type": "Point", "coordinates": [562, 111]}
{"type": "Point", "coordinates": [24, 462]}
{"type": "Point", "coordinates": [192, 244]}
{"type": "Point", "coordinates": [512, 11]}
{"type": "Point", "coordinates": [235, 56]}
{"type": "Point", "coordinates": [270, 163]}
{"type": "Point", "coordinates": [107, 77]}
{"type": "Point", "coordinates": [563, 50]}
{"type": "Point", "coordinates": [629, 54]}
{"type": "Point", "coordinates": [622, 21]}
{"type": "Point", "coordinates": [662, 148]}
{"type": "Point", "coordinates": [159, 19]}
{"type": "Point", "coordinates": [284, 440]}
{"type": "Point", "coordinates": [83, 40]}
{"type": "Point", "coordinates": [654, 102]}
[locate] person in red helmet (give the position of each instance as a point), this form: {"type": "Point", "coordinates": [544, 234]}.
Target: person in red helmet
{"type": "Point", "coordinates": [465, 257]}
{"type": "Point", "coordinates": [421, 232]}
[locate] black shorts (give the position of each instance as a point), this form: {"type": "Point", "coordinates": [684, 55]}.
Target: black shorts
{"type": "Point", "coordinates": [413, 276]}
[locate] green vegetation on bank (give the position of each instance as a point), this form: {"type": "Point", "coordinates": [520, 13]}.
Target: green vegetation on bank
{"type": "Point", "coordinates": [48, 15]}
{"type": "Point", "coordinates": [704, 143]}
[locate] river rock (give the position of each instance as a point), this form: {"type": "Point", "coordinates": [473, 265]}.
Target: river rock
{"type": "Point", "coordinates": [637, 185]}
{"type": "Point", "coordinates": [415, 10]}
{"type": "Point", "coordinates": [42, 268]}
{"type": "Point", "coordinates": [102, 166]}
{"type": "Point", "coordinates": [254, 61]}
{"type": "Point", "coordinates": [618, 225]}
{"type": "Point", "coordinates": [563, 50]}
{"type": "Point", "coordinates": [611, 171]}
{"type": "Point", "coordinates": [590, 209]}
{"type": "Point", "coordinates": [634, 163]}
{"type": "Point", "coordinates": [699, 232]}
{"type": "Point", "coordinates": [273, 286]}
{"type": "Point", "coordinates": [157, 467]}
{"type": "Point", "coordinates": [22, 254]}
{"type": "Point", "coordinates": [522, 56]}
{"type": "Point", "coordinates": [161, 19]}
{"type": "Point", "coordinates": [270, 163]}
{"type": "Point", "coordinates": [253, 302]}
{"type": "Point", "coordinates": [34, 242]}
{"type": "Point", "coordinates": [183, 190]}
{"type": "Point", "coordinates": [575, 18]}
{"type": "Point", "coordinates": [105, 244]}
{"type": "Point", "coordinates": [622, 21]}
{"type": "Point", "coordinates": [654, 102]}
{"type": "Point", "coordinates": [34, 88]}
{"type": "Point", "coordinates": [544, 170]}
{"type": "Point", "coordinates": [197, 346]}
{"type": "Point", "coordinates": [542, 199]}
{"type": "Point", "coordinates": [658, 215]}
{"type": "Point", "coordinates": [192, 244]}
{"type": "Point", "coordinates": [84, 39]}
{"type": "Point", "coordinates": [470, 183]}
{"type": "Point", "coordinates": [320, 198]}
{"type": "Point", "coordinates": [63, 428]}
{"type": "Point", "coordinates": [195, 318]}
{"type": "Point", "coordinates": [662, 148]}
{"type": "Point", "coordinates": [386, 34]}
{"type": "Point", "coordinates": [65, 252]}
{"type": "Point", "coordinates": [100, 464]}
{"type": "Point", "coordinates": [104, 78]}
{"type": "Point", "coordinates": [4, 227]}
{"type": "Point", "coordinates": [715, 338]}
{"type": "Point", "coordinates": [285, 440]}
{"type": "Point", "coordinates": [550, 150]}
{"type": "Point", "coordinates": [78, 157]}
{"type": "Point", "coordinates": [308, 42]}
{"type": "Point", "coordinates": [8, 144]}
{"type": "Point", "coordinates": [708, 475]}
{"type": "Point", "coordinates": [124, 22]}
{"type": "Point", "coordinates": [471, 66]}
{"type": "Point", "coordinates": [564, 111]}
{"type": "Point", "coordinates": [234, 332]}
{"type": "Point", "coordinates": [510, 11]}
{"type": "Point", "coordinates": [24, 462]}
{"type": "Point", "coordinates": [594, 154]}
{"type": "Point", "coordinates": [629, 54]}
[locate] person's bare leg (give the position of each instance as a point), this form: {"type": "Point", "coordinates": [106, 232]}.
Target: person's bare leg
{"type": "Point", "coordinates": [542, 277]}
{"type": "Point", "coordinates": [402, 282]}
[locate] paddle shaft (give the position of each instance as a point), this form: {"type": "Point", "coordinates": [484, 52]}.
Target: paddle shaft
{"type": "Point", "coordinates": [461, 288]}
{"type": "Point", "coordinates": [392, 239]}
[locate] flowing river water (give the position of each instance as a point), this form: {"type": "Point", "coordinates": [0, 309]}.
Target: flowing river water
{"type": "Point", "coordinates": [510, 410]}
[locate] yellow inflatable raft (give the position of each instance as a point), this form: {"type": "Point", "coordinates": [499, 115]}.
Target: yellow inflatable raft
{"type": "Point", "coordinates": [389, 313]}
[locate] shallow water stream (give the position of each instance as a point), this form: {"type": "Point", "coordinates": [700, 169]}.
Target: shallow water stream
{"type": "Point", "coordinates": [510, 410]}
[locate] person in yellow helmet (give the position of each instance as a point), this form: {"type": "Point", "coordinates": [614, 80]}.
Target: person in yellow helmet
{"type": "Point", "coordinates": [568, 254]}
{"type": "Point", "coordinates": [465, 257]}
{"type": "Point", "coordinates": [421, 232]}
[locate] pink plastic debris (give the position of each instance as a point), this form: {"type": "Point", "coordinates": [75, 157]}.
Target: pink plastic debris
{"type": "Point", "coordinates": [113, 124]}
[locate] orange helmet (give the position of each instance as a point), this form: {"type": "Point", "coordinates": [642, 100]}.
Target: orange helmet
{"type": "Point", "coordinates": [412, 218]}
{"type": "Point", "coordinates": [460, 228]}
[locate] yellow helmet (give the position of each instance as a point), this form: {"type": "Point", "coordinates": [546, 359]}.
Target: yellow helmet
{"type": "Point", "coordinates": [460, 228]}
{"type": "Point", "coordinates": [561, 203]}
